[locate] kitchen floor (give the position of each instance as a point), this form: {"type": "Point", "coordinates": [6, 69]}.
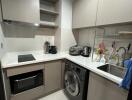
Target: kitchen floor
{"type": "Point", "coordinates": [59, 95]}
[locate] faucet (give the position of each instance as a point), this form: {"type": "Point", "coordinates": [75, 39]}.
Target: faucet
{"type": "Point", "coordinates": [125, 51]}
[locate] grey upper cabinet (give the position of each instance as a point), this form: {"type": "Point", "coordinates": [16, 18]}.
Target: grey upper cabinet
{"type": "Point", "coordinates": [21, 10]}
{"type": "Point", "coordinates": [84, 13]}
{"type": "Point", "coordinates": [114, 11]}
{"type": "Point", "coordinates": [0, 13]}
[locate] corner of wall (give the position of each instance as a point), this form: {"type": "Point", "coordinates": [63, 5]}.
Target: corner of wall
{"type": "Point", "coordinates": [67, 36]}
{"type": "Point", "coordinates": [2, 43]}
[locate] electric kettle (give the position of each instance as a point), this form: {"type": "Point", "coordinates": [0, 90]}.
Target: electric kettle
{"type": "Point", "coordinates": [86, 51]}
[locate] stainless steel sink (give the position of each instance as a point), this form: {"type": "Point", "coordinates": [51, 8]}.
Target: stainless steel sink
{"type": "Point", "coordinates": [114, 70]}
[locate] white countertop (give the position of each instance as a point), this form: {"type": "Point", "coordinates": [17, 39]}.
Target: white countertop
{"type": "Point", "coordinates": [11, 60]}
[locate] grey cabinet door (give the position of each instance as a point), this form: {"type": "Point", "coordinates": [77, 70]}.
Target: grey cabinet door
{"type": "Point", "coordinates": [103, 89]}
{"type": "Point", "coordinates": [0, 13]}
{"type": "Point", "coordinates": [62, 73]}
{"type": "Point", "coordinates": [52, 76]}
{"type": "Point", "coordinates": [84, 13]}
{"type": "Point", "coordinates": [21, 10]}
{"type": "Point", "coordinates": [114, 11]}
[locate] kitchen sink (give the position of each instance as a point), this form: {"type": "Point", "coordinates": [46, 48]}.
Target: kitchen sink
{"type": "Point", "coordinates": [24, 58]}
{"type": "Point", "coordinates": [114, 70]}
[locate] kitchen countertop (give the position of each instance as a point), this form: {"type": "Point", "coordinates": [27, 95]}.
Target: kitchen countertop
{"type": "Point", "coordinates": [11, 60]}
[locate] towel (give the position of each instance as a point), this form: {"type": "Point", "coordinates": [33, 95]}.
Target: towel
{"type": "Point", "coordinates": [128, 76]}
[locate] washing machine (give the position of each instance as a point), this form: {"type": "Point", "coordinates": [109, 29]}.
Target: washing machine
{"type": "Point", "coordinates": [75, 81]}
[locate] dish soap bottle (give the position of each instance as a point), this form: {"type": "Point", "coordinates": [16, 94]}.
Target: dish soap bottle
{"type": "Point", "coordinates": [103, 60]}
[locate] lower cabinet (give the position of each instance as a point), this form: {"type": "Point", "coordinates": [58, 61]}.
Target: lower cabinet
{"type": "Point", "coordinates": [0, 13]}
{"type": "Point", "coordinates": [52, 76]}
{"type": "Point", "coordinates": [23, 78]}
{"type": "Point", "coordinates": [103, 89]}
{"type": "Point", "coordinates": [62, 72]}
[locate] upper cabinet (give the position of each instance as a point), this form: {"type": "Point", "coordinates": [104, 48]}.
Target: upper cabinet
{"type": "Point", "coordinates": [114, 11]}
{"type": "Point", "coordinates": [0, 13]}
{"type": "Point", "coordinates": [84, 13]}
{"type": "Point", "coordinates": [21, 10]}
{"type": "Point", "coordinates": [49, 13]}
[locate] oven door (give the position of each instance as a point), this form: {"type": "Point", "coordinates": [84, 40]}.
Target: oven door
{"type": "Point", "coordinates": [26, 81]}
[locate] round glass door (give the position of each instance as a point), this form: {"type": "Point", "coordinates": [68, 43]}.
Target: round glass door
{"type": "Point", "coordinates": [72, 83]}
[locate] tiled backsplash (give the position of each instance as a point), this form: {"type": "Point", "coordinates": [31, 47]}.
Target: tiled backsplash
{"type": "Point", "coordinates": [86, 37]}
{"type": "Point", "coordinates": [111, 34]}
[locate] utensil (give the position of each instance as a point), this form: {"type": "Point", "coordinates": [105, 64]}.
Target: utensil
{"type": "Point", "coordinates": [129, 46]}
{"type": "Point", "coordinates": [113, 51]}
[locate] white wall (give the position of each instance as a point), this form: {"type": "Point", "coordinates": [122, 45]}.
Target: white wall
{"type": "Point", "coordinates": [2, 40]}
{"type": "Point", "coordinates": [26, 38]}
{"type": "Point", "coordinates": [28, 44]}
{"type": "Point", "coordinates": [67, 37]}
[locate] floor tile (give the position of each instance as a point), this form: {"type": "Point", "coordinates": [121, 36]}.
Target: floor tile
{"type": "Point", "coordinates": [59, 95]}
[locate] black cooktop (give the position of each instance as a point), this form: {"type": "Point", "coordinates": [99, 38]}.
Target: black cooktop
{"type": "Point", "coordinates": [24, 58]}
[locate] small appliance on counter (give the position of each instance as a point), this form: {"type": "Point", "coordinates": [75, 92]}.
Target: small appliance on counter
{"type": "Point", "coordinates": [46, 47]}
{"type": "Point", "coordinates": [86, 51]}
{"type": "Point", "coordinates": [75, 50]}
{"type": "Point", "coordinates": [49, 48]}
{"type": "Point", "coordinates": [52, 49]}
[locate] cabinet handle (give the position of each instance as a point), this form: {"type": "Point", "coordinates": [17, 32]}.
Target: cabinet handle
{"type": "Point", "coordinates": [26, 78]}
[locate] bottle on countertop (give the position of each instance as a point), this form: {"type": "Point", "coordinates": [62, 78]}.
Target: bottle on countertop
{"type": "Point", "coordinates": [46, 47]}
{"type": "Point", "coordinates": [103, 60]}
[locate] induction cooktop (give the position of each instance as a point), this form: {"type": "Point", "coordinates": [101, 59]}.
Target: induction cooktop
{"type": "Point", "coordinates": [24, 58]}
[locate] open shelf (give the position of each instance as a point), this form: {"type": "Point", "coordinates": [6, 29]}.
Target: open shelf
{"type": "Point", "coordinates": [43, 10]}
{"type": "Point", "coordinates": [54, 1]}
{"type": "Point", "coordinates": [125, 33]}
{"type": "Point", "coordinates": [48, 24]}
{"type": "Point", "coordinates": [44, 4]}
{"type": "Point", "coordinates": [49, 13]}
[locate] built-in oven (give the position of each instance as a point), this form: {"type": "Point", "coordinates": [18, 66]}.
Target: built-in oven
{"type": "Point", "coordinates": [26, 81]}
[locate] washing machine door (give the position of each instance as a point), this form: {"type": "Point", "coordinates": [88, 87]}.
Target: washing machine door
{"type": "Point", "coordinates": [72, 83]}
